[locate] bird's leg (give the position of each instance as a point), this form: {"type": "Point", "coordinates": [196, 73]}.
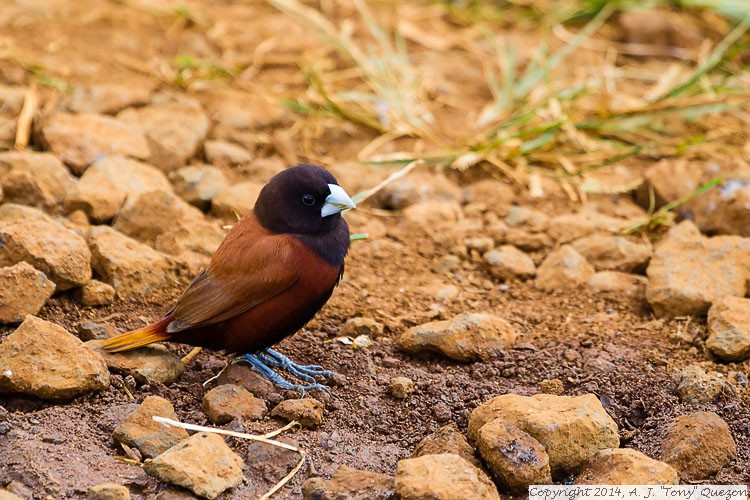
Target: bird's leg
{"type": "Point", "coordinates": [263, 361]}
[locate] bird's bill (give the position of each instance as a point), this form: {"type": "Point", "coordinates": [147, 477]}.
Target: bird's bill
{"type": "Point", "coordinates": [337, 201]}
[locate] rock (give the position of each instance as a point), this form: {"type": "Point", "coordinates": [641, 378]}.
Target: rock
{"type": "Point", "coordinates": [41, 359]}
{"type": "Point", "coordinates": [415, 188]}
{"type": "Point", "coordinates": [89, 330]}
{"type": "Point", "coordinates": [670, 180]}
{"type": "Point", "coordinates": [23, 290]}
{"type": "Point", "coordinates": [107, 183]}
{"type": "Point", "coordinates": [227, 402]}
{"type": "Point", "coordinates": [626, 466]}
{"type": "Point", "coordinates": [524, 240]}
{"type": "Point", "coordinates": [613, 253]}
{"type": "Point", "coordinates": [571, 428]}
{"type": "Point", "coordinates": [191, 243]}
{"type": "Point", "coordinates": [150, 215]}
{"type": "Point", "coordinates": [467, 337]}
{"type": "Point", "coordinates": [515, 458]}
{"type": "Point", "coordinates": [563, 268]}
{"type": "Point", "coordinates": [446, 476]}
{"type": "Point", "coordinates": [689, 272]}
{"type": "Point", "coordinates": [725, 210]}
{"type": "Point", "coordinates": [108, 491]}
{"type": "Point", "coordinates": [552, 386]}
{"type": "Point", "coordinates": [350, 484]}
{"type": "Point", "coordinates": [266, 465]}
{"type": "Point", "coordinates": [354, 327]}
{"type": "Point", "coordinates": [151, 363]}
{"type": "Point", "coordinates": [729, 328]}
{"type": "Point", "coordinates": [307, 411]}
{"type": "Point", "coordinates": [198, 184]}
{"type": "Point", "coordinates": [7, 495]}
{"type": "Point", "coordinates": [35, 179]}
{"type": "Point", "coordinates": [508, 262]}
{"type": "Point", "coordinates": [491, 193]}
{"type": "Point", "coordinates": [141, 431]}
{"type": "Point", "coordinates": [27, 234]}
{"type": "Point", "coordinates": [527, 218]}
{"type": "Point", "coordinates": [242, 375]}
{"type": "Point", "coordinates": [81, 139]}
{"type": "Point", "coordinates": [481, 244]}
{"type": "Point", "coordinates": [698, 445]}
{"type": "Point", "coordinates": [109, 97]}
{"type": "Point", "coordinates": [96, 293]}
{"type": "Point", "coordinates": [434, 214]}
{"type": "Point", "coordinates": [696, 386]}
{"type": "Point", "coordinates": [234, 110]}
{"type": "Point", "coordinates": [568, 227]}
{"type": "Point", "coordinates": [400, 387]}
{"type": "Point", "coordinates": [226, 153]}
{"type": "Point", "coordinates": [615, 281]}
{"type": "Point", "coordinates": [232, 202]}
{"type": "Point", "coordinates": [131, 267]}
{"type": "Point", "coordinates": [175, 131]}
{"type": "Point", "coordinates": [447, 439]}
{"type": "Point", "coordinates": [203, 463]}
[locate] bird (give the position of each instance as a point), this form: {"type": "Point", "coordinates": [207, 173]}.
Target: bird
{"type": "Point", "coordinates": [273, 271]}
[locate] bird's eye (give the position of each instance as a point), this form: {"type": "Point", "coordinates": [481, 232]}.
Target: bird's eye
{"type": "Point", "coordinates": [308, 200]}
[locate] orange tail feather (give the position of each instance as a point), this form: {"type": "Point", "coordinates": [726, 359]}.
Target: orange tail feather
{"type": "Point", "coordinates": [155, 332]}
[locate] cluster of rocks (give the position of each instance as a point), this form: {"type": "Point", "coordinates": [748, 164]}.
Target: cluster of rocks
{"type": "Point", "coordinates": [515, 441]}
{"type": "Point", "coordinates": [120, 201]}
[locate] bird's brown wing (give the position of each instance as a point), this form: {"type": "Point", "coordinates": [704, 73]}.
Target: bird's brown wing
{"type": "Point", "coordinates": [246, 273]}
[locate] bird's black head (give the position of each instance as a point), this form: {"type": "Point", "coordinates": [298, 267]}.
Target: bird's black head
{"type": "Point", "coordinates": [304, 199]}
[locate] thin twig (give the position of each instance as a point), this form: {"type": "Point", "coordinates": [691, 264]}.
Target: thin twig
{"type": "Point", "coordinates": [192, 354]}
{"type": "Point", "coordinates": [360, 197]}
{"type": "Point", "coordinates": [26, 117]}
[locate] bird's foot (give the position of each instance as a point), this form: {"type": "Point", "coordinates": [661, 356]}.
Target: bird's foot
{"type": "Point", "coordinates": [263, 361]}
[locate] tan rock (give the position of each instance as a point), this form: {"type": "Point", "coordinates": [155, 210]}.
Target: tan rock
{"type": "Point", "coordinates": [415, 188]}
{"type": "Point", "coordinates": [96, 293]}
{"type": "Point", "coordinates": [626, 466]}
{"type": "Point", "coordinates": [31, 236]}
{"type": "Point", "coordinates": [467, 337]}
{"type": "Point", "coordinates": [227, 402]}
{"type": "Point", "coordinates": [552, 386]}
{"type": "Point", "coordinates": [232, 202]}
{"type": "Point", "coordinates": [434, 214]}
{"type": "Point", "coordinates": [350, 484]}
{"type": "Point", "coordinates": [670, 180]}
{"type": "Point", "coordinates": [226, 153]}
{"type": "Point", "coordinates": [131, 267]}
{"type": "Point", "coordinates": [568, 227]}
{"type": "Point", "coordinates": [151, 363]}
{"type": "Point", "coordinates": [198, 184]}
{"type": "Point", "coordinates": [613, 253]}
{"type": "Point", "coordinates": [689, 272]}
{"type": "Point", "coordinates": [447, 439]}
{"type": "Point", "coordinates": [698, 445]}
{"type": "Point", "coordinates": [81, 139]}
{"type": "Point", "coordinates": [23, 290]}
{"type": "Point", "coordinates": [307, 411]}
{"type": "Point", "coordinates": [563, 268]}
{"type": "Point", "coordinates": [228, 107]}
{"type": "Point", "coordinates": [697, 386]}
{"type": "Point", "coordinates": [141, 431]}
{"type": "Point", "coordinates": [242, 375]}
{"type": "Point", "coordinates": [615, 281]}
{"type": "Point", "coordinates": [107, 183]}
{"type": "Point", "coordinates": [35, 179]}
{"type": "Point", "coordinates": [515, 458]}
{"type": "Point", "coordinates": [508, 262]}
{"type": "Point", "coordinates": [175, 131]}
{"type": "Point", "coordinates": [203, 463]}
{"type": "Point", "coordinates": [110, 97]}
{"type": "Point", "coordinates": [400, 387]}
{"type": "Point", "coordinates": [527, 218]}
{"type": "Point", "coordinates": [446, 476]}
{"type": "Point", "coordinates": [729, 328]}
{"type": "Point", "coordinates": [571, 428]}
{"type": "Point", "coordinates": [7, 495]}
{"type": "Point", "coordinates": [43, 360]}
{"type": "Point", "coordinates": [354, 327]}
{"type": "Point", "coordinates": [108, 491]}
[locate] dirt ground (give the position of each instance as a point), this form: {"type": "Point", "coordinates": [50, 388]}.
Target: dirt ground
{"type": "Point", "coordinates": [60, 450]}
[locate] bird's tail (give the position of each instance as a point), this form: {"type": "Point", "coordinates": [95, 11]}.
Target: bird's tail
{"type": "Point", "coordinates": [155, 332]}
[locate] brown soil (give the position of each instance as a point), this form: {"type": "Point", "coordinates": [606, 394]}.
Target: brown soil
{"type": "Point", "coordinates": [60, 450]}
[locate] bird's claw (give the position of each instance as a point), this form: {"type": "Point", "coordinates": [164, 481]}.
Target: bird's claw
{"type": "Point", "coordinates": [263, 361]}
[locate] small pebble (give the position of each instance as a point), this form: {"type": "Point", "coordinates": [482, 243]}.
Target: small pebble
{"type": "Point", "coordinates": [400, 387]}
